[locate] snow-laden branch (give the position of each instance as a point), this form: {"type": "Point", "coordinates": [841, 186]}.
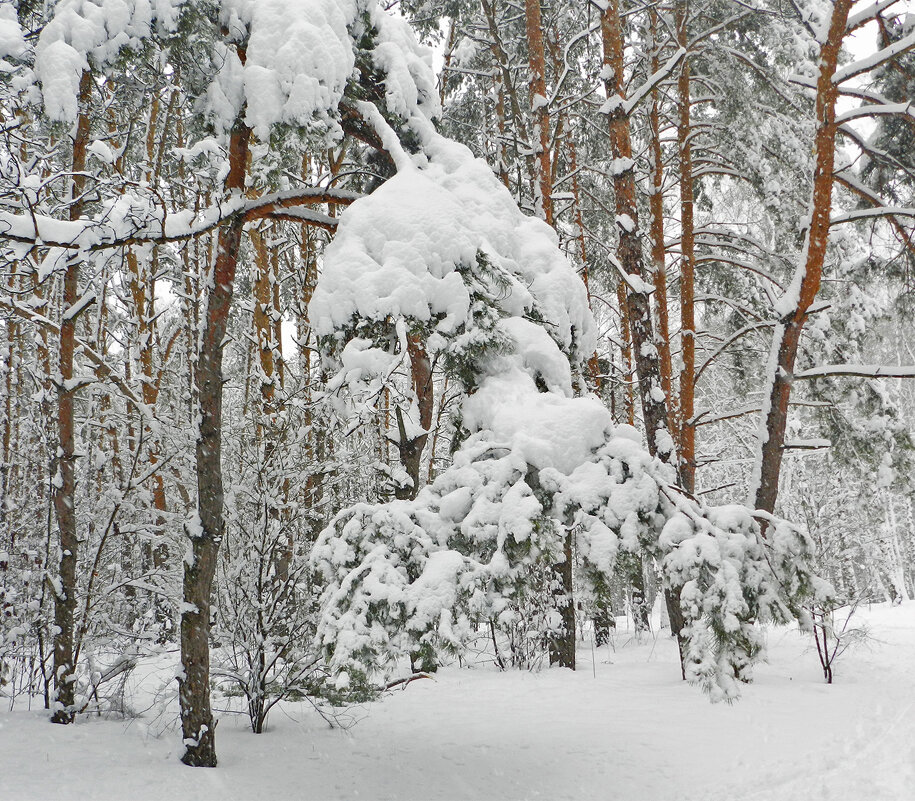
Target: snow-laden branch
{"type": "Point", "coordinates": [806, 444]}
{"type": "Point", "coordinates": [868, 14]}
{"type": "Point", "coordinates": [874, 60]}
{"type": "Point", "coordinates": [703, 418]}
{"type": "Point", "coordinates": [730, 341]}
{"type": "Point", "coordinates": [568, 68]}
{"type": "Point", "coordinates": [858, 370]}
{"type": "Point", "coordinates": [851, 182]}
{"type": "Point", "coordinates": [634, 282]}
{"type": "Point", "coordinates": [104, 233]}
{"type": "Point", "coordinates": [864, 214]}
{"type": "Point", "coordinates": [661, 75]}
{"type": "Point", "coordinates": [708, 32]}
{"type": "Point", "coordinates": [876, 110]}
{"type": "Point", "coordinates": [104, 371]}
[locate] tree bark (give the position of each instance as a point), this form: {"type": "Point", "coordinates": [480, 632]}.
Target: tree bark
{"type": "Point", "coordinates": [629, 249]}
{"type": "Point", "coordinates": [658, 250]}
{"type": "Point", "coordinates": [411, 449]}
{"type": "Point", "coordinates": [543, 179]}
{"type": "Point", "coordinates": [594, 377]}
{"type": "Point", "coordinates": [197, 723]}
{"type": "Point", "coordinates": [65, 479]}
{"type": "Point", "coordinates": [629, 254]}
{"type": "Point", "coordinates": [562, 645]}
{"type": "Point", "coordinates": [686, 428]}
{"type": "Point", "coordinates": [805, 284]}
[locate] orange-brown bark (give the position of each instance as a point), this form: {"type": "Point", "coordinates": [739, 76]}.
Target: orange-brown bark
{"type": "Point", "coordinates": [806, 282]}
{"type": "Point", "coordinates": [629, 249]}
{"type": "Point", "coordinates": [686, 427]}
{"type": "Point", "coordinates": [543, 179]}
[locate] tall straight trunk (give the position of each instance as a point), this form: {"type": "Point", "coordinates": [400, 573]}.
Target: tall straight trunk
{"type": "Point", "coordinates": [266, 320]}
{"type": "Point", "coordinates": [143, 291]}
{"type": "Point", "coordinates": [543, 179]}
{"type": "Point", "coordinates": [65, 478]}
{"type": "Point", "coordinates": [629, 254]}
{"type": "Point", "coordinates": [316, 437]}
{"type": "Point", "coordinates": [206, 535]}
{"type": "Point", "coordinates": [500, 157]}
{"type": "Point", "coordinates": [686, 428]}
{"type": "Point", "coordinates": [142, 285]}
{"type": "Point", "coordinates": [629, 249]}
{"type": "Point", "coordinates": [7, 474]}
{"type": "Point", "coordinates": [658, 250]}
{"type": "Point", "coordinates": [503, 67]}
{"type": "Point", "coordinates": [10, 387]}
{"type": "Point", "coordinates": [793, 307]}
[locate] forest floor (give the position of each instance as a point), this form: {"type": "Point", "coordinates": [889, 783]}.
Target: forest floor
{"type": "Point", "coordinates": [621, 727]}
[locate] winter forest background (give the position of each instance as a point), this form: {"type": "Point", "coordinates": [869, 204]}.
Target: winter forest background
{"type": "Point", "coordinates": [346, 343]}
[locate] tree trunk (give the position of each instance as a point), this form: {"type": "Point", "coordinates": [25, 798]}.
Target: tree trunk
{"type": "Point", "coordinates": [411, 449]}
{"type": "Point", "coordinates": [543, 179]}
{"type": "Point", "coordinates": [629, 249]}
{"type": "Point", "coordinates": [626, 355]}
{"type": "Point", "coordinates": [793, 307]}
{"type": "Point", "coordinates": [629, 254]}
{"type": "Point", "coordinates": [65, 479]}
{"type": "Point", "coordinates": [194, 683]}
{"type": "Point", "coordinates": [594, 377]}
{"type": "Point", "coordinates": [686, 428]}
{"type": "Point", "coordinates": [658, 250]}
{"type": "Point", "coordinates": [562, 644]}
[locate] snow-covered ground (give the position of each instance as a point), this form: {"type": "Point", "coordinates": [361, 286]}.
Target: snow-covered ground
{"type": "Point", "coordinates": [632, 732]}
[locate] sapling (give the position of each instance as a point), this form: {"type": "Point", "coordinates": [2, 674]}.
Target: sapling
{"type": "Point", "coordinates": [834, 634]}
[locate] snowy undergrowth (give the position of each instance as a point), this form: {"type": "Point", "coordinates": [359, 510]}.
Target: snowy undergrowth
{"type": "Point", "coordinates": [632, 732]}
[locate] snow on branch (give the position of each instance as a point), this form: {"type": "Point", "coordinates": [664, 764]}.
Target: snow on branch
{"type": "Point", "coordinates": [874, 110]}
{"type": "Point", "coordinates": [875, 60]}
{"type": "Point", "coordinates": [859, 370]}
{"type": "Point", "coordinates": [868, 14]}
{"type": "Point", "coordinates": [882, 211]}
{"type": "Point", "coordinates": [661, 75]}
{"type": "Point", "coordinates": [104, 371]}
{"type": "Point", "coordinates": [119, 227]}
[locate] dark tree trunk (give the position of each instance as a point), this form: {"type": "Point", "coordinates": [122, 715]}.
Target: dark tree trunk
{"type": "Point", "coordinates": [562, 644]}
{"type": "Point", "coordinates": [411, 450]}
{"type": "Point", "coordinates": [629, 254]}
{"type": "Point", "coordinates": [194, 683]}
{"type": "Point", "coordinates": [65, 483]}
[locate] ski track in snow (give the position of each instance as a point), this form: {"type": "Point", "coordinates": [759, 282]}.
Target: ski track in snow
{"type": "Point", "coordinates": [633, 733]}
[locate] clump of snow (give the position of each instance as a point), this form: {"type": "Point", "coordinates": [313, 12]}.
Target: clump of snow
{"type": "Point", "coordinates": [299, 57]}
{"type": "Point", "coordinates": [83, 32]}
{"type": "Point", "coordinates": [12, 39]}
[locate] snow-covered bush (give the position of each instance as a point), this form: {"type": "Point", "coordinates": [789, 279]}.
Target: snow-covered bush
{"type": "Point", "coordinates": [535, 461]}
{"type": "Point", "coordinates": [477, 543]}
